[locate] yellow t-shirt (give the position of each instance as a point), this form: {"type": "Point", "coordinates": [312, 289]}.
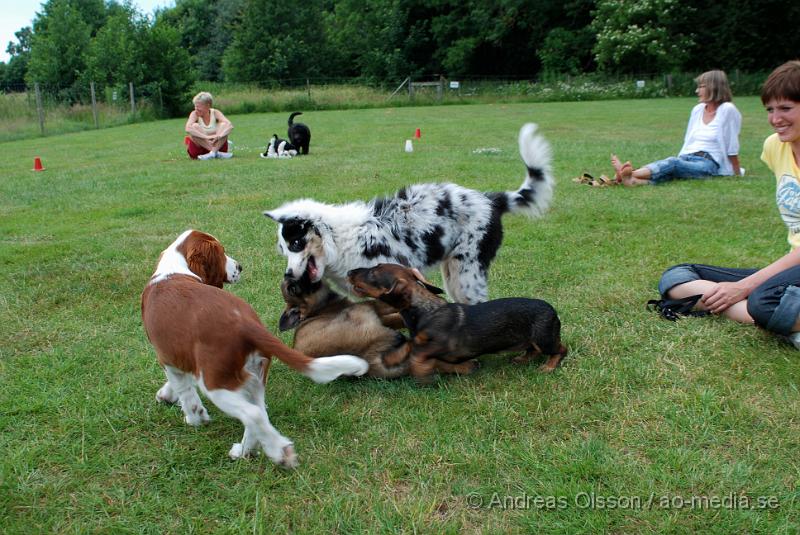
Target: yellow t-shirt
{"type": "Point", "coordinates": [779, 158]}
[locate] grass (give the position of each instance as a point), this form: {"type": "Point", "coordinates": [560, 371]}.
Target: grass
{"type": "Point", "coordinates": [643, 410]}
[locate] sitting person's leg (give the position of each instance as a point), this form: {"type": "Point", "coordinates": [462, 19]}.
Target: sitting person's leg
{"type": "Point", "coordinates": [775, 305]}
{"type": "Point", "coordinates": [194, 149]}
{"type": "Point", "coordinates": [685, 280]}
{"type": "Point", "coordinates": [686, 166]}
{"type": "Point", "coordinates": [626, 174]}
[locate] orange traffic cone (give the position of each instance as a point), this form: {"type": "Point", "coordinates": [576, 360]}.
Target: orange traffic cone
{"type": "Point", "coordinates": [417, 134]}
{"type": "Point", "coordinates": [37, 164]}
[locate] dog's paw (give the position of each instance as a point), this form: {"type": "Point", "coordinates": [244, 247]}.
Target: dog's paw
{"type": "Point", "coordinates": [237, 452]}
{"type": "Point", "coordinates": [166, 395]}
{"type": "Point", "coordinates": [197, 415]}
{"type": "Point", "coordinates": [551, 364]}
{"type": "Point", "coordinates": [289, 459]}
{"type": "Point", "coordinates": [471, 366]}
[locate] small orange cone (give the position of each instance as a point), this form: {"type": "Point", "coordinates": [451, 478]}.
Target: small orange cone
{"type": "Point", "coordinates": [417, 134]}
{"type": "Point", "coordinates": [37, 164]}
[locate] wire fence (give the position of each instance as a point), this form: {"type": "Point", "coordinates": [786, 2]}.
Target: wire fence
{"type": "Point", "coordinates": [40, 109]}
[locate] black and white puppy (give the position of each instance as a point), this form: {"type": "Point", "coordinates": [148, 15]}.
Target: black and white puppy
{"type": "Point", "coordinates": [421, 226]}
{"type": "Point", "coordinates": [279, 148]}
{"type": "Point", "coordinates": [299, 134]}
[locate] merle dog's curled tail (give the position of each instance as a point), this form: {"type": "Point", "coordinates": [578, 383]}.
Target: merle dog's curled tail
{"type": "Point", "coordinates": [534, 196]}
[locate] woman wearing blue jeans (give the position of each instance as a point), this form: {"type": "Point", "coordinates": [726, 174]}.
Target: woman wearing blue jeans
{"type": "Point", "coordinates": [768, 297]}
{"type": "Point", "coordinates": [711, 144]}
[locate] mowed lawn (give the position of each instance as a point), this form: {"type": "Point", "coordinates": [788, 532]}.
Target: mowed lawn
{"type": "Point", "coordinates": [650, 426]}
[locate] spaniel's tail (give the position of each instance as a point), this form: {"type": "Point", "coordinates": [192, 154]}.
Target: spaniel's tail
{"type": "Point", "coordinates": [319, 370]}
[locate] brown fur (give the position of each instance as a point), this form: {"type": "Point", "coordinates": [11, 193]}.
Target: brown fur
{"type": "Point", "coordinates": [206, 336]}
{"type": "Point", "coordinates": [198, 328]}
{"type": "Point", "coordinates": [327, 323]}
{"type": "Point", "coordinates": [455, 333]}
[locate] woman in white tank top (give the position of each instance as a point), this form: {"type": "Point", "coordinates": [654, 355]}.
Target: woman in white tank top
{"type": "Point", "coordinates": [711, 144]}
{"type": "Point", "coordinates": [207, 130]}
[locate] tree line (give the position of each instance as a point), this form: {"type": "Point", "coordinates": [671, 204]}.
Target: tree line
{"type": "Point", "coordinates": [72, 42]}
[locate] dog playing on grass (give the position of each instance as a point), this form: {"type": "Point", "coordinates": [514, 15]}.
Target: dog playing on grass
{"type": "Point", "coordinates": [421, 226]}
{"type": "Point", "coordinates": [456, 333]}
{"type": "Point", "coordinates": [208, 338]}
{"type": "Point", "coordinates": [327, 323]}
{"type": "Point", "coordinates": [299, 134]}
{"type": "Point", "coordinates": [279, 148]}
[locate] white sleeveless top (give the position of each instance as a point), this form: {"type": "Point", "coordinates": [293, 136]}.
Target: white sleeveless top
{"type": "Point", "coordinates": [211, 127]}
{"type": "Point", "coordinates": [704, 138]}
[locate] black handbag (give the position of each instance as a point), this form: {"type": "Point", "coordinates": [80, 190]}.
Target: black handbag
{"type": "Point", "coordinates": [673, 309]}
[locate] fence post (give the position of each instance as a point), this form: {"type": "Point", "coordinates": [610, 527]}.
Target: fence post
{"type": "Point", "coordinates": [440, 89]}
{"type": "Point", "coordinates": [308, 88]}
{"type": "Point", "coordinates": [133, 101]}
{"type": "Point", "coordinates": [410, 89]}
{"type": "Point", "coordinates": [94, 106]}
{"type": "Point", "coordinates": [39, 108]}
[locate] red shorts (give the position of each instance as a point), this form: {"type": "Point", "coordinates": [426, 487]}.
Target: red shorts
{"type": "Point", "coordinates": [196, 150]}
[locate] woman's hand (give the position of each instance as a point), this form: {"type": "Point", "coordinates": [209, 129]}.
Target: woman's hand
{"type": "Point", "coordinates": [724, 295]}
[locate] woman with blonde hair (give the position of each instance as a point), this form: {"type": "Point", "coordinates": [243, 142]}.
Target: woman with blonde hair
{"type": "Point", "coordinates": [207, 130]}
{"type": "Point", "coordinates": [710, 146]}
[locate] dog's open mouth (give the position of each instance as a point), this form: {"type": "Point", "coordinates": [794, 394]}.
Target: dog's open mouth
{"type": "Point", "coordinates": [312, 269]}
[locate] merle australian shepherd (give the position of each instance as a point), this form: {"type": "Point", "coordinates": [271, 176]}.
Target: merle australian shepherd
{"type": "Point", "coordinates": [421, 226]}
{"type": "Point", "coordinates": [299, 134]}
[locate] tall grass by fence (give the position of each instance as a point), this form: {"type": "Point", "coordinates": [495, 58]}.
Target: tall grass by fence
{"type": "Point", "coordinates": [61, 111]}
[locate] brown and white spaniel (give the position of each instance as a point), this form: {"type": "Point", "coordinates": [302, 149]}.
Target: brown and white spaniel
{"type": "Point", "coordinates": [206, 337]}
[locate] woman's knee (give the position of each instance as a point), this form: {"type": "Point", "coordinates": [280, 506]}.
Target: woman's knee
{"type": "Point", "coordinates": [775, 308]}
{"type": "Point", "coordinates": [760, 307]}
{"type": "Point", "coordinates": [675, 275]}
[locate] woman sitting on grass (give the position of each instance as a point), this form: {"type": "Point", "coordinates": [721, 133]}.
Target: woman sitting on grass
{"type": "Point", "coordinates": [711, 144]}
{"type": "Point", "coordinates": [769, 297]}
{"type": "Point", "coordinates": [208, 130]}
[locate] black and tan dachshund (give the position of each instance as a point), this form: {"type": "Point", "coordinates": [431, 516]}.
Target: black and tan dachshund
{"type": "Point", "coordinates": [456, 333]}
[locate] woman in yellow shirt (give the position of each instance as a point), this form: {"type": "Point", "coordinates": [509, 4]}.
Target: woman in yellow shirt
{"type": "Point", "coordinates": [770, 296]}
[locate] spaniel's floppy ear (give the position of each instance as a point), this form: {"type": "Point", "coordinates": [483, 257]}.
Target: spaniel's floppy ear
{"type": "Point", "coordinates": [206, 259]}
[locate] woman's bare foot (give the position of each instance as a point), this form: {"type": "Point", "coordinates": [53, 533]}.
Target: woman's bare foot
{"type": "Point", "coordinates": [622, 171]}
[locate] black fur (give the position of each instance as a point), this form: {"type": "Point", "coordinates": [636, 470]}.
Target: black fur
{"type": "Point", "coordinates": [299, 134]}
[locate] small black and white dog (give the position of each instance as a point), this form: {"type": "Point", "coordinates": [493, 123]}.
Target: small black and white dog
{"type": "Point", "coordinates": [278, 148]}
{"type": "Point", "coordinates": [299, 134]}
{"type": "Point", "coordinates": [421, 226]}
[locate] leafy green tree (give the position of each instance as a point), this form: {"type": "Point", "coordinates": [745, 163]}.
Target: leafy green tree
{"type": "Point", "coordinates": [167, 69]}
{"type": "Point", "coordinates": [20, 52]}
{"type": "Point", "coordinates": [633, 35]}
{"type": "Point", "coordinates": [115, 54]}
{"type": "Point", "coordinates": [206, 30]}
{"type": "Point", "coordinates": [367, 38]}
{"type": "Point", "coordinates": [60, 38]}
{"type": "Point", "coordinates": [566, 51]}
{"type": "Point", "coordinates": [277, 40]}
{"type": "Point", "coordinates": [751, 35]}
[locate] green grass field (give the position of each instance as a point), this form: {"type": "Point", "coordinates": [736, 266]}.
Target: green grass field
{"type": "Point", "coordinates": [645, 414]}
